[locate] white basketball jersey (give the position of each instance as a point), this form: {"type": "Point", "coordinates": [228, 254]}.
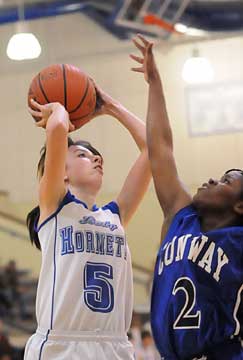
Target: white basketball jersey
{"type": "Point", "coordinates": [85, 282]}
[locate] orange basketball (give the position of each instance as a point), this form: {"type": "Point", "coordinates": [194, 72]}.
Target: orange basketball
{"type": "Point", "coordinates": [67, 85]}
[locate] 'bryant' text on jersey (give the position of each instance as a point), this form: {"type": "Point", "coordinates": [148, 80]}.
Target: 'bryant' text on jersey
{"type": "Point", "coordinates": [175, 251]}
{"type": "Point", "coordinates": [100, 243]}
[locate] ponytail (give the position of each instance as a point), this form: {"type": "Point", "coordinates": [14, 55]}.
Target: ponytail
{"type": "Point", "coordinates": [31, 221]}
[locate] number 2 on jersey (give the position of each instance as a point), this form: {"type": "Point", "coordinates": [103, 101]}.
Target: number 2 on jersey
{"type": "Point", "coordinates": [187, 319]}
{"type": "Point", "coordinates": [98, 291]}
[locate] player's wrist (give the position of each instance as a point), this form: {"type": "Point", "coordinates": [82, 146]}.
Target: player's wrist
{"type": "Point", "coordinates": [153, 76]}
{"type": "Point", "coordinates": [58, 121]}
{"type": "Point", "coordinates": [116, 109]}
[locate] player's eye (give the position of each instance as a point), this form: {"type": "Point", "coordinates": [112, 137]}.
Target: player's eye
{"type": "Point", "coordinates": [81, 154]}
{"type": "Point", "coordinates": [226, 181]}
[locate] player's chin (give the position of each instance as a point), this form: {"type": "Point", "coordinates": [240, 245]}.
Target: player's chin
{"type": "Point", "coordinates": [199, 198]}
{"type": "Point", "coordinates": [99, 173]}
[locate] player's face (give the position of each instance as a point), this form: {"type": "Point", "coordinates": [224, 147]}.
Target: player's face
{"type": "Point", "coordinates": [220, 194]}
{"type": "Point", "coordinates": [83, 167]}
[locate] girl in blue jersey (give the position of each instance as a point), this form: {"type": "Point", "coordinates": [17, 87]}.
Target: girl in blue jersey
{"type": "Point", "coordinates": [196, 309]}
{"type": "Point", "coordinates": [84, 297]}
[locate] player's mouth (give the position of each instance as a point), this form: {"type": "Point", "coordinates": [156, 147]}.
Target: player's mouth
{"type": "Point", "coordinates": [99, 168]}
{"type": "Point", "coordinates": [203, 187]}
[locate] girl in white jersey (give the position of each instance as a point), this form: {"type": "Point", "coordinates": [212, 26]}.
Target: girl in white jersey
{"type": "Point", "coordinates": [84, 297]}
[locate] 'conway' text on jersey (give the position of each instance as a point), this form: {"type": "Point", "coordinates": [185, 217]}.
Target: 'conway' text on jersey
{"type": "Point", "coordinates": [206, 255]}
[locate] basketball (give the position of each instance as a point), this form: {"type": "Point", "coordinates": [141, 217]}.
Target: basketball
{"type": "Point", "coordinates": [67, 85]}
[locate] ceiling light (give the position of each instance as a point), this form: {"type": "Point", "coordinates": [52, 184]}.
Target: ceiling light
{"type": "Point", "coordinates": [23, 46]}
{"type": "Point", "coordinates": [195, 32]}
{"type": "Point", "coordinates": [197, 70]}
{"type": "Point", "coordinates": [190, 31]}
{"type": "Point", "coordinates": [181, 28]}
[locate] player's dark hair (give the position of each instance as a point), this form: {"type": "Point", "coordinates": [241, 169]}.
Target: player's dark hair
{"type": "Point", "coordinates": [34, 214]}
{"type": "Point", "coordinates": [240, 220]}
{"type": "Point", "coordinates": [241, 172]}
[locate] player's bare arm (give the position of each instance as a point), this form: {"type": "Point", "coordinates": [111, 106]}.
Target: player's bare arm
{"type": "Point", "coordinates": [139, 176]}
{"type": "Point", "coordinates": [54, 118]}
{"type": "Point", "coordinates": [170, 191]}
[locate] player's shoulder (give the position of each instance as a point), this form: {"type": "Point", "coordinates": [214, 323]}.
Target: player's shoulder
{"type": "Point", "coordinates": [67, 199]}
{"type": "Point", "coordinates": [70, 205]}
{"type": "Point", "coordinates": [113, 207]}
{"type": "Point", "coordinates": [183, 219]}
{"type": "Point", "coordinates": [188, 212]}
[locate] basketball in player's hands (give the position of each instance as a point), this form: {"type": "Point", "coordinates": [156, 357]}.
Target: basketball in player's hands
{"type": "Point", "coordinates": [67, 85]}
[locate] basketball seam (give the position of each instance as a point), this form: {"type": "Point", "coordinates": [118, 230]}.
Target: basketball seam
{"type": "Point", "coordinates": [82, 116]}
{"type": "Point", "coordinates": [83, 98]}
{"type": "Point", "coordinates": [65, 86]}
{"type": "Point", "coordinates": [42, 90]}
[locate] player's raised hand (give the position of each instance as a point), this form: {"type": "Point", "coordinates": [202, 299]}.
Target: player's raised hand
{"type": "Point", "coordinates": [105, 103]}
{"type": "Point", "coordinates": [43, 112]}
{"type": "Point", "coordinates": [147, 62]}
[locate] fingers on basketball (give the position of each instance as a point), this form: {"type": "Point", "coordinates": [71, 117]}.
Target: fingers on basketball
{"type": "Point", "coordinates": [35, 112]}
{"type": "Point", "coordinates": [67, 85]}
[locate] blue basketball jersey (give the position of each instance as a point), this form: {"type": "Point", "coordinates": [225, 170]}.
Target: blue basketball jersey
{"type": "Point", "coordinates": [198, 283]}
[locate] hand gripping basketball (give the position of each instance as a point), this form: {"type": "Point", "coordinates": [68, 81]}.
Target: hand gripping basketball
{"type": "Point", "coordinates": [67, 85]}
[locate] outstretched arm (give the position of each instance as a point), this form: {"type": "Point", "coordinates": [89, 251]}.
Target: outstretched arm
{"type": "Point", "coordinates": [139, 176]}
{"type": "Point", "coordinates": [54, 118]}
{"type": "Point", "coordinates": [170, 190]}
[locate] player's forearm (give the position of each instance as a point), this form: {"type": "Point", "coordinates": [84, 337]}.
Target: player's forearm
{"type": "Point", "coordinates": [158, 126]}
{"type": "Point", "coordinates": [132, 123]}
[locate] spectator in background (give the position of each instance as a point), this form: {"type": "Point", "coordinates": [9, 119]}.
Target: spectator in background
{"type": "Point", "coordinates": [6, 350]}
{"type": "Point", "coordinates": [16, 292]}
{"type": "Point", "coordinates": [135, 330]}
{"type": "Point", "coordinates": [11, 275]}
{"type": "Point", "coordinates": [5, 357]}
{"type": "Point", "coordinates": [147, 350]}
{"type": "Point", "coordinates": [5, 303]}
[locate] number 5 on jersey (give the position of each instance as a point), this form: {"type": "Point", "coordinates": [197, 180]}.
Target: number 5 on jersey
{"type": "Point", "coordinates": [98, 291]}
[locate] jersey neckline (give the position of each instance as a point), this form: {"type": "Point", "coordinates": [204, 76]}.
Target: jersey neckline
{"type": "Point", "coordinates": [75, 199]}
{"type": "Point", "coordinates": [68, 198]}
{"type": "Point", "coordinates": [190, 210]}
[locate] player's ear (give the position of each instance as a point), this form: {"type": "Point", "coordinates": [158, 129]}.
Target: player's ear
{"type": "Point", "coordinates": [238, 207]}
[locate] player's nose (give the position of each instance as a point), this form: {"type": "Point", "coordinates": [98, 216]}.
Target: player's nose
{"type": "Point", "coordinates": [212, 181]}
{"type": "Point", "coordinates": [97, 159]}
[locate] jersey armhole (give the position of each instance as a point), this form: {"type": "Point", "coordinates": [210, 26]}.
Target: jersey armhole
{"type": "Point", "coordinates": [179, 216]}
{"type": "Point", "coordinates": [113, 207]}
{"type": "Point", "coordinates": [187, 210]}
{"type": "Point", "coordinates": [67, 199]}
